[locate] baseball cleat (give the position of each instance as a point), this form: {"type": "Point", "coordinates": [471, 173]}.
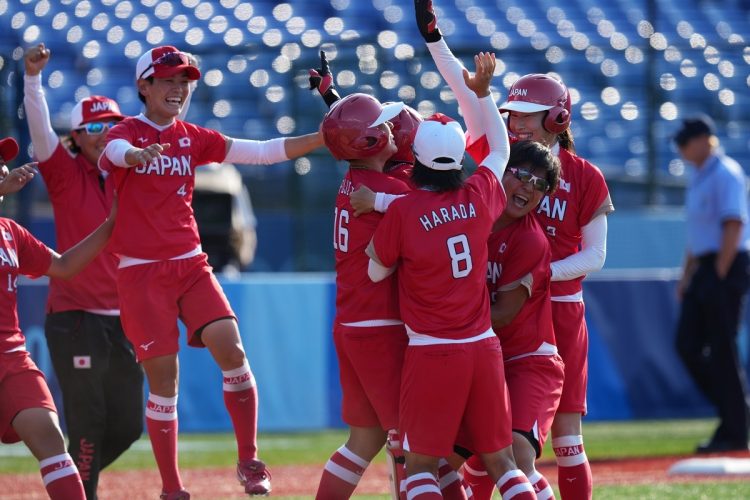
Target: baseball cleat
{"type": "Point", "coordinates": [175, 495]}
{"type": "Point", "coordinates": [255, 477]}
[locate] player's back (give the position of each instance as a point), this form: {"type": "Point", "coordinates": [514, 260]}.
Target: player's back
{"type": "Point", "coordinates": [357, 297]}
{"type": "Point", "coordinates": [444, 255]}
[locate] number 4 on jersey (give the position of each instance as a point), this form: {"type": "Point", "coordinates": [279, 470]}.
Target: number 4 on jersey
{"type": "Point", "coordinates": [183, 190]}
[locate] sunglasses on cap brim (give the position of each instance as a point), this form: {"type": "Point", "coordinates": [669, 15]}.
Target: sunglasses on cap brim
{"type": "Point", "coordinates": [523, 175]}
{"type": "Point", "coordinates": [171, 59]}
{"type": "Point", "coordinates": [96, 128]}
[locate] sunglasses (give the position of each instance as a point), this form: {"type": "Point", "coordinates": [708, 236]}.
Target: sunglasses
{"type": "Point", "coordinates": [170, 59]}
{"type": "Point", "coordinates": [523, 175]}
{"type": "Point", "coordinates": [96, 128]}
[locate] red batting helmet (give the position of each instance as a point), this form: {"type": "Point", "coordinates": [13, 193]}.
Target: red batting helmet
{"type": "Point", "coordinates": [404, 127]}
{"type": "Point", "coordinates": [537, 92]}
{"type": "Point", "coordinates": [351, 127]}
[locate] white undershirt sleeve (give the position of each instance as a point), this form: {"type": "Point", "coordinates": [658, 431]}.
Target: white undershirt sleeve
{"type": "Point", "coordinates": [590, 258]}
{"type": "Point", "coordinates": [115, 151]}
{"type": "Point", "coordinates": [251, 152]}
{"type": "Point", "coordinates": [43, 137]}
{"type": "Point", "coordinates": [378, 272]}
{"type": "Point", "coordinates": [384, 200]}
{"type": "Point", "coordinates": [451, 69]}
{"type": "Point", "coordinates": [497, 137]}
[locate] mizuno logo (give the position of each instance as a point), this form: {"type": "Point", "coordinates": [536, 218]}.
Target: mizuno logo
{"type": "Point", "coordinates": [147, 345]}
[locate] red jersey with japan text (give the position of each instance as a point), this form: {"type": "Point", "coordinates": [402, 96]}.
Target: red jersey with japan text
{"type": "Point", "coordinates": [519, 255]}
{"type": "Point", "coordinates": [20, 253]}
{"type": "Point", "coordinates": [581, 195]}
{"type": "Point", "coordinates": [357, 297]}
{"type": "Point", "coordinates": [81, 200]}
{"type": "Point", "coordinates": [439, 242]}
{"type": "Point", "coordinates": [155, 218]}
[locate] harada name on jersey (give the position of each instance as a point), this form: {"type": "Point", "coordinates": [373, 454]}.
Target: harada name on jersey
{"type": "Point", "coordinates": [167, 165]}
{"type": "Point", "coordinates": [447, 214]}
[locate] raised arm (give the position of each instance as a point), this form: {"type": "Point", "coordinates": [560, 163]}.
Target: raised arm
{"type": "Point", "coordinates": [449, 67]}
{"type": "Point", "coordinates": [492, 125]}
{"type": "Point", "coordinates": [322, 80]}
{"type": "Point", "coordinates": [43, 137]}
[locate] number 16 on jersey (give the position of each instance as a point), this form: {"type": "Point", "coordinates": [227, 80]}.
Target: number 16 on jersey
{"type": "Point", "coordinates": [340, 230]}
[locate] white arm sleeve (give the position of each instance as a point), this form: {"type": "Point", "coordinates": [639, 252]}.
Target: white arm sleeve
{"type": "Point", "coordinates": [384, 200]}
{"type": "Point", "coordinates": [377, 272]}
{"type": "Point", "coordinates": [590, 258]}
{"type": "Point", "coordinates": [451, 69]}
{"type": "Point", "coordinates": [43, 137]}
{"type": "Point", "coordinates": [115, 152]}
{"type": "Point", "coordinates": [497, 137]}
{"type": "Point", "coordinates": [250, 152]}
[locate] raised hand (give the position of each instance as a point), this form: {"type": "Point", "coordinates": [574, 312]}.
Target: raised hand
{"type": "Point", "coordinates": [479, 82]}
{"type": "Point", "coordinates": [427, 21]}
{"type": "Point", "coordinates": [35, 59]}
{"type": "Point", "coordinates": [138, 156]}
{"type": "Point", "coordinates": [322, 79]}
{"type": "Point", "coordinates": [17, 178]}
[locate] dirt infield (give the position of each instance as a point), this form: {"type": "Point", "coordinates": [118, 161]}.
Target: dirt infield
{"type": "Point", "coordinates": [219, 483]}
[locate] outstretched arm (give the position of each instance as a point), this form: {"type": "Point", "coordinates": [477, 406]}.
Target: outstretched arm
{"type": "Point", "coordinates": [492, 125]}
{"type": "Point", "coordinates": [76, 258]}
{"type": "Point", "coordinates": [43, 137]}
{"type": "Point", "coordinates": [250, 152]}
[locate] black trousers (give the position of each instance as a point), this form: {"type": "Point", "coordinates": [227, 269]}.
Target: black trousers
{"type": "Point", "coordinates": [706, 341]}
{"type": "Point", "coordinates": [102, 388]}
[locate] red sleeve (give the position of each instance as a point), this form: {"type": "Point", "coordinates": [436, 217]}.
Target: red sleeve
{"type": "Point", "coordinates": [56, 170]}
{"type": "Point", "coordinates": [387, 237]}
{"type": "Point", "coordinates": [34, 257]}
{"type": "Point", "coordinates": [213, 146]}
{"type": "Point", "coordinates": [479, 149]}
{"type": "Point", "coordinates": [523, 257]}
{"type": "Point", "coordinates": [491, 190]}
{"type": "Point", "coordinates": [594, 194]}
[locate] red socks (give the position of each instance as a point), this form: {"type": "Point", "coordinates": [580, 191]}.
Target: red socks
{"type": "Point", "coordinates": [161, 422]}
{"type": "Point", "coordinates": [241, 400]}
{"type": "Point", "coordinates": [341, 475]}
{"type": "Point", "coordinates": [573, 469]}
{"type": "Point", "coordinates": [476, 476]}
{"type": "Point", "coordinates": [541, 486]}
{"type": "Point", "coordinates": [451, 485]}
{"type": "Point", "coordinates": [61, 478]}
{"type": "Point", "coordinates": [514, 484]}
{"type": "Point", "coordinates": [422, 486]}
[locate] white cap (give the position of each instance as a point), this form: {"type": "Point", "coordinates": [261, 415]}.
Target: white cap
{"type": "Point", "coordinates": [440, 143]}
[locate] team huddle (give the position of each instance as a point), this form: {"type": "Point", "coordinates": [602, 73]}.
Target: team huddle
{"type": "Point", "coordinates": [459, 326]}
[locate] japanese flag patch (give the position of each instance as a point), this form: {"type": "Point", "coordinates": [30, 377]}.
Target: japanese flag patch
{"type": "Point", "coordinates": [81, 362]}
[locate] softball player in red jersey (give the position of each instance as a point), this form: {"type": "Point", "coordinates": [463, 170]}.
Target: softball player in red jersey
{"type": "Point", "coordinates": [27, 411]}
{"type": "Point", "coordinates": [437, 237]}
{"type": "Point", "coordinates": [518, 277]}
{"type": "Point", "coordinates": [574, 220]}
{"type": "Point", "coordinates": [163, 274]}
{"type": "Point", "coordinates": [87, 345]}
{"type": "Point", "coordinates": [368, 333]}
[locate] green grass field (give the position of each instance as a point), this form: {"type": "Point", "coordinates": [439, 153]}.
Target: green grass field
{"type": "Point", "coordinates": [610, 440]}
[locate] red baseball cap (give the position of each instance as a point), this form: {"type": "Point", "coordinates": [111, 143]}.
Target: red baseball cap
{"type": "Point", "coordinates": [8, 149]}
{"type": "Point", "coordinates": [163, 62]}
{"type": "Point", "coordinates": [95, 108]}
